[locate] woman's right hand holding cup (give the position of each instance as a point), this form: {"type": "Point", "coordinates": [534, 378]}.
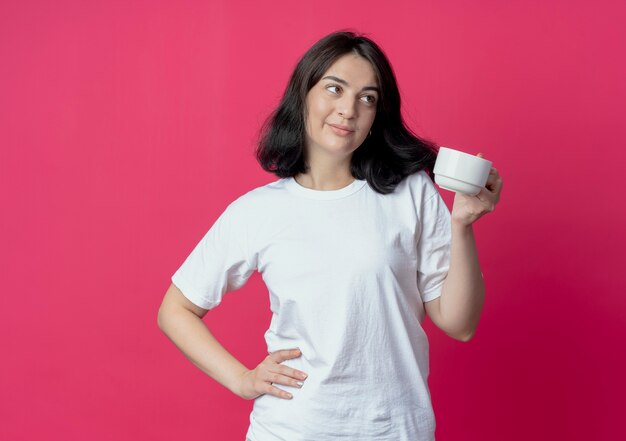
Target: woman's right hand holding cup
{"type": "Point", "coordinates": [259, 380]}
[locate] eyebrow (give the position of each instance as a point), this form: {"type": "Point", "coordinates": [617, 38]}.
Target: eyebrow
{"type": "Point", "coordinates": [339, 80]}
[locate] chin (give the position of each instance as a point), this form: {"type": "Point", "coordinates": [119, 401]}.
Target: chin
{"type": "Point", "coordinates": [346, 148]}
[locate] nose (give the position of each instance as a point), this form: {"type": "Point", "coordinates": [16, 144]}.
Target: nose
{"type": "Point", "coordinates": [346, 107]}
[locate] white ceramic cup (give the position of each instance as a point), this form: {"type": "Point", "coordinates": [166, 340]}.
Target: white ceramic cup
{"type": "Point", "coordinates": [461, 172]}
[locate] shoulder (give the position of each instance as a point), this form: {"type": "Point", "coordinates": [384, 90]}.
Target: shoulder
{"type": "Point", "coordinates": [421, 185]}
{"type": "Point", "coordinates": [252, 204]}
{"type": "Point", "coordinates": [259, 195]}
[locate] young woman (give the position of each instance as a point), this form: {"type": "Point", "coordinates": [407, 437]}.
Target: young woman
{"type": "Point", "coordinates": [355, 245]}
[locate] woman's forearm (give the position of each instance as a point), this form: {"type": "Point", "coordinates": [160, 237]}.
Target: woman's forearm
{"type": "Point", "coordinates": [463, 291]}
{"type": "Point", "coordinates": [189, 333]}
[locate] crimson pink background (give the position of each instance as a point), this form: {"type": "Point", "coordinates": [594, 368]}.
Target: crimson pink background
{"type": "Point", "coordinates": [127, 127]}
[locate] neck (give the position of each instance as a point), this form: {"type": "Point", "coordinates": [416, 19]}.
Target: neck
{"type": "Point", "coordinates": [325, 179]}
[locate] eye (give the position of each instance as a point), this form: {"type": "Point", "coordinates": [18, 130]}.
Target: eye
{"type": "Point", "coordinates": [332, 85]}
{"type": "Point", "coordinates": [373, 98]}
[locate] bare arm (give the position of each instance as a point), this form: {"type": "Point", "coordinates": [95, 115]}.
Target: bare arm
{"type": "Point", "coordinates": [458, 309]}
{"type": "Point", "coordinates": [181, 321]}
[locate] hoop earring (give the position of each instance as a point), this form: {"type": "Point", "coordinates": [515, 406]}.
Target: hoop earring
{"type": "Point", "coordinates": [370, 133]}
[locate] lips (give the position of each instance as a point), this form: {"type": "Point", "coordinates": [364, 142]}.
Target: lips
{"type": "Point", "coordinates": [341, 132]}
{"type": "Point", "coordinates": [345, 128]}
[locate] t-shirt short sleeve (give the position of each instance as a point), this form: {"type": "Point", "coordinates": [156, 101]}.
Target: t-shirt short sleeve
{"type": "Point", "coordinates": [433, 247]}
{"type": "Point", "coordinates": [219, 263]}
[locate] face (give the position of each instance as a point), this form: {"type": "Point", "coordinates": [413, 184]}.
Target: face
{"type": "Point", "coordinates": [346, 95]}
